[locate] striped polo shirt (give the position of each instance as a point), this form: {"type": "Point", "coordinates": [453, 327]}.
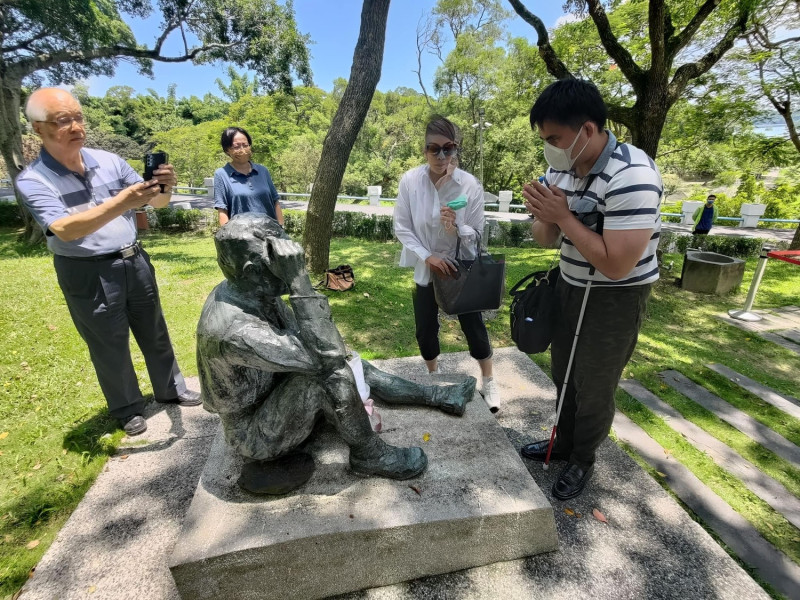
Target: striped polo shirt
{"type": "Point", "coordinates": [51, 192]}
{"type": "Point", "coordinates": [625, 186]}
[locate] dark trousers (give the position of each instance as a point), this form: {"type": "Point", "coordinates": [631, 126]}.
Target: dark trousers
{"type": "Point", "coordinates": [426, 316]}
{"type": "Point", "coordinates": [700, 232]}
{"type": "Point", "coordinates": [606, 341]}
{"type": "Point", "coordinates": [107, 300]}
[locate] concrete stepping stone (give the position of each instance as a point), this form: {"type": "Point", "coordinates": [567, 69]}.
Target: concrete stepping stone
{"type": "Point", "coordinates": [789, 405]}
{"type": "Point", "coordinates": [762, 485]}
{"type": "Point", "coordinates": [771, 564]}
{"type": "Point", "coordinates": [793, 335]}
{"type": "Point", "coordinates": [733, 416]}
{"type": "Point", "coordinates": [776, 338]}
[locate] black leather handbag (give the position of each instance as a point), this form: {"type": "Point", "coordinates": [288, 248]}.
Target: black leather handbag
{"type": "Point", "coordinates": [534, 310]}
{"type": "Point", "coordinates": [477, 285]}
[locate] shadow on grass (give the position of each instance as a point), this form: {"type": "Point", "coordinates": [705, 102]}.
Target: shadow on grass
{"type": "Point", "coordinates": [11, 246]}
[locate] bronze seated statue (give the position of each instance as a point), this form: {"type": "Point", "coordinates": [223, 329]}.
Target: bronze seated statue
{"type": "Point", "coordinates": [271, 370]}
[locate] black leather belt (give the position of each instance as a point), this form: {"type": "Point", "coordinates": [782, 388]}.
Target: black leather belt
{"type": "Point", "coordinates": [126, 252]}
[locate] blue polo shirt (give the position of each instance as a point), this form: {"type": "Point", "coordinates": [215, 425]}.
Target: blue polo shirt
{"type": "Point", "coordinates": [239, 193]}
{"type": "Point", "coordinates": [51, 192]}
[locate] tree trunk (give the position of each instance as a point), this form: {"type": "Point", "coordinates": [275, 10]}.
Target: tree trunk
{"type": "Point", "coordinates": [364, 76]}
{"type": "Point", "coordinates": [11, 148]}
{"type": "Point", "coordinates": [795, 245]}
{"type": "Point", "coordinates": [649, 114]}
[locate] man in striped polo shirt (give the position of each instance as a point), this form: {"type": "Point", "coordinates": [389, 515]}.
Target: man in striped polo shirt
{"type": "Point", "coordinates": [84, 200]}
{"type": "Point", "coordinates": [600, 199]}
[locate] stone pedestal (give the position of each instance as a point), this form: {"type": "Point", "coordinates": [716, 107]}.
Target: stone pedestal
{"type": "Point", "coordinates": [750, 214]}
{"type": "Point", "coordinates": [711, 273]}
{"type": "Point", "coordinates": [688, 209]}
{"type": "Point", "coordinates": [208, 183]}
{"type": "Point", "coordinates": [374, 193]}
{"type": "Point", "coordinates": [476, 504]}
{"type": "Point", "coordinates": [504, 200]}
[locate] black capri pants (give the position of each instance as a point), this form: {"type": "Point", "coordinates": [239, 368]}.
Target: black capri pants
{"type": "Point", "coordinates": [426, 317]}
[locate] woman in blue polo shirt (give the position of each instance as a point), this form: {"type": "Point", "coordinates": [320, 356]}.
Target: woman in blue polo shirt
{"type": "Point", "coordinates": [242, 186]}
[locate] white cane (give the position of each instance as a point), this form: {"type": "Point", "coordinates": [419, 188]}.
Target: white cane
{"type": "Point", "coordinates": [546, 463]}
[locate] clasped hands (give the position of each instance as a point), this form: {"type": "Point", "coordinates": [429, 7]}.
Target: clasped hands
{"type": "Point", "coordinates": [547, 204]}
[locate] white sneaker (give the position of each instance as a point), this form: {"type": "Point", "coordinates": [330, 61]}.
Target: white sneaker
{"type": "Point", "coordinates": [491, 394]}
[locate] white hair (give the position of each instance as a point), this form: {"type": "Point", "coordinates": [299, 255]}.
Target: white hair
{"type": "Point", "coordinates": [34, 107]}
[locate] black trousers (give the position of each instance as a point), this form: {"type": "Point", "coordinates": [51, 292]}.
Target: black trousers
{"type": "Point", "coordinates": [426, 317]}
{"type": "Point", "coordinates": [605, 344]}
{"type": "Point", "coordinates": [107, 300]}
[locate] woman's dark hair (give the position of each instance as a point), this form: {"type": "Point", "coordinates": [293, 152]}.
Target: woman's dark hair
{"type": "Point", "coordinates": [570, 102]}
{"type": "Point", "coordinates": [439, 125]}
{"type": "Point", "coordinates": [230, 133]}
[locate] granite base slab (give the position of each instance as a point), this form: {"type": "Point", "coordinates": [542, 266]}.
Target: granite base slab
{"type": "Point", "coordinates": [476, 504]}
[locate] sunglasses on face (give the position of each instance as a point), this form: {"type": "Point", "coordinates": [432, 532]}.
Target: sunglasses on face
{"type": "Point", "coordinates": [438, 151]}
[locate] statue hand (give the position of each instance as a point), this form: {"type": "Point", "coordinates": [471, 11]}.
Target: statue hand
{"type": "Point", "coordinates": [286, 260]}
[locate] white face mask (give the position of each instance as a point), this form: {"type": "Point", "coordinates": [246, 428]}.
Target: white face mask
{"type": "Point", "coordinates": [560, 159]}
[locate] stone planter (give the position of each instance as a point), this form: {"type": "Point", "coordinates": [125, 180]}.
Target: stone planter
{"type": "Point", "coordinates": [141, 220]}
{"type": "Point", "coordinates": [711, 273]}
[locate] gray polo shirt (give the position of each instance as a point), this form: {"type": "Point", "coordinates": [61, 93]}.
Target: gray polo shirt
{"type": "Point", "coordinates": [51, 192]}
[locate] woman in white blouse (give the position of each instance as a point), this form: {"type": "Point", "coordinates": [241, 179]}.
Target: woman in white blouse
{"type": "Point", "coordinates": [428, 230]}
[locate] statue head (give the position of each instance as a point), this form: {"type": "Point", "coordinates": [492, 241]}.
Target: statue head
{"type": "Point", "coordinates": [242, 245]}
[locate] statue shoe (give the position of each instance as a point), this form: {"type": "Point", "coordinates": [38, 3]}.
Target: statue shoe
{"type": "Point", "coordinates": [391, 462]}
{"type": "Point", "coordinates": [452, 399]}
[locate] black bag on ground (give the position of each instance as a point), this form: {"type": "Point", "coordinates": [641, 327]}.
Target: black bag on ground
{"type": "Point", "coordinates": [477, 286]}
{"type": "Point", "coordinates": [533, 310]}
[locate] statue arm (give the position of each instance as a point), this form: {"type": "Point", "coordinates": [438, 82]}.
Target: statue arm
{"type": "Point", "coordinates": [318, 331]}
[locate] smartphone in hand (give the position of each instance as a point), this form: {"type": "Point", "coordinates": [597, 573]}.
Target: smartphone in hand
{"type": "Point", "coordinates": [151, 162]}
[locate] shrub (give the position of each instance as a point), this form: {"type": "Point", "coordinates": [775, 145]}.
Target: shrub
{"type": "Point", "coordinates": [739, 247]}
{"type": "Point", "coordinates": [9, 215]}
{"type": "Point", "coordinates": [179, 219]}
{"type": "Point", "coordinates": [510, 234]}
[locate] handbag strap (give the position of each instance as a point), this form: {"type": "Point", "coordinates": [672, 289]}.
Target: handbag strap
{"type": "Point", "coordinates": [478, 247]}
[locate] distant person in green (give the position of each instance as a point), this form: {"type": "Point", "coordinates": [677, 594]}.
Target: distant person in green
{"type": "Point", "coordinates": [705, 216]}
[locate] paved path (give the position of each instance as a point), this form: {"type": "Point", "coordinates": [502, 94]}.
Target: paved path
{"type": "Point", "coordinates": [117, 543]}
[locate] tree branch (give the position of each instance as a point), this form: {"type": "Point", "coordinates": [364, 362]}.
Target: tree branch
{"type": "Point", "coordinates": [555, 65]}
{"type": "Point", "coordinates": [689, 71]}
{"type": "Point", "coordinates": [678, 42]}
{"type": "Point", "coordinates": [24, 45]}
{"type": "Point", "coordinates": [615, 50]}
{"type": "Point", "coordinates": [32, 64]}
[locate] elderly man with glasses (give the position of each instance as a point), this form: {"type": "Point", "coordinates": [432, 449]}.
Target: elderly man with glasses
{"type": "Point", "coordinates": [84, 200]}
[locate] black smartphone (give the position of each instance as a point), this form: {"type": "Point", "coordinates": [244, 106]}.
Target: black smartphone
{"type": "Point", "coordinates": [151, 162]}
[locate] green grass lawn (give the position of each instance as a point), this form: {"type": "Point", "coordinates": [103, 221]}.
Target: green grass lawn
{"type": "Point", "coordinates": [55, 433]}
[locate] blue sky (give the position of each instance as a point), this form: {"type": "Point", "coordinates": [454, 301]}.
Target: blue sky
{"type": "Point", "coordinates": [333, 27]}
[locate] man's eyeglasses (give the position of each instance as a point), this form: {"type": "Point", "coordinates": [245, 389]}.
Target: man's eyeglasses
{"type": "Point", "coordinates": [64, 122]}
{"type": "Point", "coordinates": [436, 150]}
{"type": "Point", "coordinates": [240, 146]}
